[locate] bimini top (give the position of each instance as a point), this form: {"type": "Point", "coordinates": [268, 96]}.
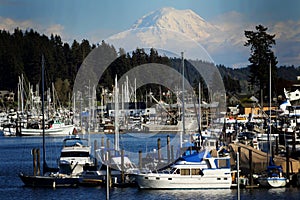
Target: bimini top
{"type": "Point", "coordinates": [196, 157]}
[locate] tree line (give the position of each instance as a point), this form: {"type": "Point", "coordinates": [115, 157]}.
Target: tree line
{"type": "Point", "coordinates": [21, 51]}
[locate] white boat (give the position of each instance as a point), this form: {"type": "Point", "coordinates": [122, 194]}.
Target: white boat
{"type": "Point", "coordinates": [66, 129]}
{"type": "Point", "coordinates": [9, 129]}
{"type": "Point", "coordinates": [209, 173]}
{"type": "Point", "coordinates": [109, 128]}
{"type": "Point", "coordinates": [57, 129]}
{"type": "Point", "coordinates": [75, 156]}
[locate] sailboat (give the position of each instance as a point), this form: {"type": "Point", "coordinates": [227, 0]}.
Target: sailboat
{"type": "Point", "coordinates": [273, 176]}
{"type": "Point", "coordinates": [50, 177]}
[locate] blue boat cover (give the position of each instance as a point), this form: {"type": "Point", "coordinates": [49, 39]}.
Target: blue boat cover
{"type": "Point", "coordinates": [197, 157]}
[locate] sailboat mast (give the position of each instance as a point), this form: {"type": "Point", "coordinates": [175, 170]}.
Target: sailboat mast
{"type": "Point", "coordinates": [54, 101]}
{"type": "Point", "coordinates": [183, 118]}
{"type": "Point", "coordinates": [22, 93]}
{"type": "Point", "coordinates": [43, 115]}
{"type": "Point", "coordinates": [19, 94]}
{"type": "Point", "coordinates": [200, 111]}
{"type": "Point", "coordinates": [270, 100]}
{"type": "Point", "coordinates": [116, 115]}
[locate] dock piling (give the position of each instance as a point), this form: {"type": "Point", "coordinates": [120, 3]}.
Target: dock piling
{"type": "Point", "coordinates": [288, 163]}
{"type": "Point", "coordinates": [122, 166]}
{"type": "Point", "coordinates": [158, 150]}
{"type": "Point", "coordinates": [276, 145]}
{"type": "Point", "coordinates": [140, 160]}
{"type": "Point", "coordinates": [107, 147]}
{"type": "Point", "coordinates": [102, 142]}
{"type": "Point", "coordinates": [294, 142]}
{"type": "Point", "coordinates": [33, 151]}
{"type": "Point", "coordinates": [95, 148]}
{"type": "Point", "coordinates": [168, 149]}
{"type": "Point", "coordinates": [38, 172]}
{"type": "Point", "coordinates": [250, 167]}
{"type": "Point", "coordinates": [172, 153]}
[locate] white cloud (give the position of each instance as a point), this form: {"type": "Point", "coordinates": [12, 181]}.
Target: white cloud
{"type": "Point", "coordinates": [288, 30]}
{"type": "Point", "coordinates": [227, 45]}
{"type": "Point", "coordinates": [230, 42]}
{"type": "Point", "coordinates": [55, 29]}
{"type": "Point", "coordinates": [10, 25]}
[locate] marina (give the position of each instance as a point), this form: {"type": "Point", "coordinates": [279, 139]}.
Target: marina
{"type": "Point", "coordinates": [168, 147]}
{"type": "Point", "coordinates": [18, 148]}
{"type": "Point", "coordinates": [149, 100]}
{"type": "Point", "coordinates": [174, 150]}
{"type": "Point", "coordinates": [150, 126]}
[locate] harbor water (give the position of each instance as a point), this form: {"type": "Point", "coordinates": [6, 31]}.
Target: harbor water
{"type": "Point", "coordinates": [16, 156]}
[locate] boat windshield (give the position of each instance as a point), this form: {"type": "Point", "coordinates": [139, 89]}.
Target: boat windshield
{"type": "Point", "coordinates": [75, 142]}
{"type": "Point", "coordinates": [74, 154]}
{"type": "Point", "coordinates": [175, 171]}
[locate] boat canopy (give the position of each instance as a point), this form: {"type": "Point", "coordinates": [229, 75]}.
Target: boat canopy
{"type": "Point", "coordinates": [197, 157]}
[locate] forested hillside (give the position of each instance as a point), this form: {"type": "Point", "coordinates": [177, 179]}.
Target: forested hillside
{"type": "Point", "coordinates": [21, 52]}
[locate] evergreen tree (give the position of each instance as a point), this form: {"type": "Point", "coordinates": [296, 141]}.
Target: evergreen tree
{"type": "Point", "coordinates": [261, 57]}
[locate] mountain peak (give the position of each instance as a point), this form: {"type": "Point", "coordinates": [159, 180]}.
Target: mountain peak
{"type": "Point", "coordinates": [183, 21]}
{"type": "Point", "coordinates": [171, 30]}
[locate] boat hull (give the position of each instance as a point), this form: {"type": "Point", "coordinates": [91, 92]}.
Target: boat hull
{"type": "Point", "coordinates": [147, 181]}
{"type": "Point", "coordinates": [62, 131]}
{"type": "Point", "coordinates": [91, 181]}
{"type": "Point", "coordinates": [49, 181]}
{"type": "Point", "coordinates": [272, 182]}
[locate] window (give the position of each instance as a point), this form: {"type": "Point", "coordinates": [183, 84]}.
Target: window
{"type": "Point", "coordinates": [185, 172]}
{"type": "Point", "coordinates": [175, 171]}
{"type": "Point", "coordinates": [195, 171]}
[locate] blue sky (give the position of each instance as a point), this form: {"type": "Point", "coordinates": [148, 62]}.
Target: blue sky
{"type": "Point", "coordinates": [96, 20]}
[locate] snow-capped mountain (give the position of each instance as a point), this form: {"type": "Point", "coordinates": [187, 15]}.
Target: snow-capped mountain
{"type": "Point", "coordinates": [175, 31]}
{"type": "Point", "coordinates": [182, 21]}
{"type": "Point", "coordinates": [221, 40]}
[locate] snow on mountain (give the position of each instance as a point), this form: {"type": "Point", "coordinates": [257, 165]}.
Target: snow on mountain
{"type": "Point", "coordinates": [182, 21]}
{"type": "Point", "coordinates": [221, 40]}
{"type": "Point", "coordinates": [169, 30]}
